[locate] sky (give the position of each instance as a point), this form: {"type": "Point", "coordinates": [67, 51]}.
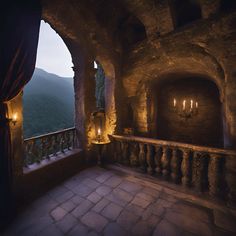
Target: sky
{"type": "Point", "coordinates": [53, 55]}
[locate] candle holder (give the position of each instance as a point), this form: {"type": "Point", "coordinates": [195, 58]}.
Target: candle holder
{"type": "Point", "coordinates": [188, 108]}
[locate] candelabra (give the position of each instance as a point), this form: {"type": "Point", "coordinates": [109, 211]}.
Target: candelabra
{"type": "Point", "coordinates": [186, 109]}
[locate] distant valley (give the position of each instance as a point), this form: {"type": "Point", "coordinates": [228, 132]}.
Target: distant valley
{"type": "Point", "coordinates": [48, 103]}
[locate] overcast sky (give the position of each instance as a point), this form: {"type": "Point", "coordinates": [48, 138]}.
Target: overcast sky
{"type": "Point", "coordinates": [53, 55]}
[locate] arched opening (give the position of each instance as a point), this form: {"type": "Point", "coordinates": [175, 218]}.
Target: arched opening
{"type": "Point", "coordinates": [48, 99]}
{"type": "Point", "coordinates": [186, 11]}
{"type": "Point", "coordinates": [188, 109]}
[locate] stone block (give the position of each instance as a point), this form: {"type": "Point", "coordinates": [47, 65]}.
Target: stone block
{"type": "Point", "coordinates": [114, 229]}
{"type": "Point", "coordinates": [94, 197]}
{"type": "Point", "coordinates": [82, 208]}
{"type": "Point", "coordinates": [94, 221]}
{"type": "Point", "coordinates": [58, 213]}
{"type": "Point", "coordinates": [127, 219]}
{"type": "Point", "coordinates": [103, 190]}
{"type": "Point", "coordinates": [112, 211]}
{"type": "Point", "coordinates": [68, 222]}
{"type": "Point", "coordinates": [100, 205]}
{"type": "Point", "coordinates": [113, 182]}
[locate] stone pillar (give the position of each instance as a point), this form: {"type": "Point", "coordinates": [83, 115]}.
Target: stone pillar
{"type": "Point", "coordinates": [15, 106]}
{"type": "Point", "coordinates": [85, 102]}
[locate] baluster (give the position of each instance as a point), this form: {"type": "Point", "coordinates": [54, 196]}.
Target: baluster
{"type": "Point", "coordinates": [157, 159]}
{"type": "Point", "coordinates": [165, 161]}
{"type": "Point", "coordinates": [48, 146]}
{"type": "Point", "coordinates": [214, 175]}
{"type": "Point", "coordinates": [150, 160]}
{"type": "Point", "coordinates": [55, 144]}
{"type": "Point", "coordinates": [199, 175]}
{"type": "Point", "coordinates": [62, 141]}
{"type": "Point", "coordinates": [126, 153]}
{"type": "Point", "coordinates": [186, 168]}
{"type": "Point", "coordinates": [142, 157]}
{"type": "Point", "coordinates": [134, 155]}
{"type": "Point", "coordinates": [175, 166]}
{"type": "Point", "coordinates": [68, 140]}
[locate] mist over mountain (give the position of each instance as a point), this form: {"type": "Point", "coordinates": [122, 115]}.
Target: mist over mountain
{"type": "Point", "coordinates": [48, 103]}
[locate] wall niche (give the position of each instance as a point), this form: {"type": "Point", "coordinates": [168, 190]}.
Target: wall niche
{"type": "Point", "coordinates": [203, 128]}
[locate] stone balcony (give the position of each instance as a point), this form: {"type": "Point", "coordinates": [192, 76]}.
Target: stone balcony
{"type": "Point", "coordinates": [99, 201]}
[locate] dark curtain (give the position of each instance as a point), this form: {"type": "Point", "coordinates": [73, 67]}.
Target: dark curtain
{"type": "Point", "coordinates": [19, 31]}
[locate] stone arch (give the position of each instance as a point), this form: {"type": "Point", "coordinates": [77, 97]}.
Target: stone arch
{"type": "Point", "coordinates": [110, 99]}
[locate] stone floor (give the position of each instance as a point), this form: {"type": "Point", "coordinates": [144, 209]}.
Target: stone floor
{"type": "Point", "coordinates": [105, 202]}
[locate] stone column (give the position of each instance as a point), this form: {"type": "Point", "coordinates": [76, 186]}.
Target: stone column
{"type": "Point", "coordinates": [15, 106]}
{"type": "Point", "coordinates": [85, 102]}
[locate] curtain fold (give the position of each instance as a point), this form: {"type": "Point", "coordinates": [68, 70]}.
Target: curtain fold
{"type": "Point", "coordinates": [19, 31]}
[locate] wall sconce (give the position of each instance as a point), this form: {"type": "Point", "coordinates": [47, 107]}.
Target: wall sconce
{"type": "Point", "coordinates": [186, 109]}
{"type": "Point", "coordinates": [13, 120]}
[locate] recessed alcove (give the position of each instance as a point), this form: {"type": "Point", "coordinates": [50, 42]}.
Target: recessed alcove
{"type": "Point", "coordinates": [177, 122]}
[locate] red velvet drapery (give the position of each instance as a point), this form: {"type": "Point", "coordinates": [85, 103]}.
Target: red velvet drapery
{"type": "Point", "coordinates": [19, 30]}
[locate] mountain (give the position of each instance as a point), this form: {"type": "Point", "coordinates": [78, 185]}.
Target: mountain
{"type": "Point", "coordinates": [48, 103]}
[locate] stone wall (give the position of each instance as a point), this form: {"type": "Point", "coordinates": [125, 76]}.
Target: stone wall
{"type": "Point", "coordinates": [205, 125]}
{"type": "Point", "coordinates": [205, 48]}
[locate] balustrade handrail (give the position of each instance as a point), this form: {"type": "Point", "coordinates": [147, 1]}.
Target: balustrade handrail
{"type": "Point", "coordinates": [173, 144]}
{"type": "Point", "coordinates": [49, 134]}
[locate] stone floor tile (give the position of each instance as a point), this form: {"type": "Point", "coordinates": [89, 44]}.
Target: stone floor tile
{"type": "Point", "coordinates": [151, 191]}
{"type": "Point", "coordinates": [154, 209]}
{"type": "Point", "coordinates": [100, 205]}
{"type": "Point", "coordinates": [165, 228]}
{"type": "Point", "coordinates": [58, 213]}
{"type": "Point", "coordinates": [114, 229]}
{"type": "Point", "coordinates": [102, 178]}
{"type": "Point", "coordinates": [82, 208]}
{"type": "Point", "coordinates": [113, 182]}
{"type": "Point", "coordinates": [127, 219]}
{"type": "Point", "coordinates": [67, 223]}
{"type": "Point", "coordinates": [65, 196]}
{"type": "Point", "coordinates": [58, 191]}
{"type": "Point", "coordinates": [145, 196]}
{"type": "Point", "coordinates": [68, 205]}
{"type": "Point", "coordinates": [78, 230]}
{"type": "Point", "coordinates": [123, 194]}
{"type": "Point", "coordinates": [90, 183]}
{"type": "Point", "coordinates": [140, 202]}
{"type": "Point", "coordinates": [141, 228]}
{"type": "Point", "coordinates": [164, 203]}
{"type": "Point", "coordinates": [193, 211]}
{"type": "Point", "coordinates": [77, 199]}
{"type": "Point", "coordinates": [71, 183]}
{"type": "Point", "coordinates": [188, 224]}
{"type": "Point", "coordinates": [112, 211]}
{"type": "Point", "coordinates": [118, 197]}
{"type": "Point", "coordinates": [82, 190]}
{"type": "Point", "coordinates": [51, 230]}
{"type": "Point", "coordinates": [93, 233]}
{"type": "Point", "coordinates": [153, 220]}
{"type": "Point", "coordinates": [103, 190]}
{"type": "Point", "coordinates": [130, 186]}
{"type": "Point", "coordinates": [94, 220]}
{"type": "Point", "coordinates": [135, 209]}
{"type": "Point", "coordinates": [168, 197]}
{"type": "Point", "coordinates": [225, 221]}
{"type": "Point", "coordinates": [94, 197]}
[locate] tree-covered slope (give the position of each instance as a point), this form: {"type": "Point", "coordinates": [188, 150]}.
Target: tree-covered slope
{"type": "Point", "coordinates": [48, 103]}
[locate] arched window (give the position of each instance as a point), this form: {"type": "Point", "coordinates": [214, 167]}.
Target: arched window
{"type": "Point", "coordinates": [48, 99]}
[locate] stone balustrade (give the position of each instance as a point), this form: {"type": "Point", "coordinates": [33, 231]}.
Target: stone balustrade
{"type": "Point", "coordinates": [45, 146]}
{"type": "Point", "coordinates": [204, 169]}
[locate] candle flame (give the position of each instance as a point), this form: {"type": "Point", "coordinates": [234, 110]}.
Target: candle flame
{"type": "Point", "coordinates": [174, 102]}
{"type": "Point", "coordinates": [14, 117]}
{"type": "Point", "coordinates": [99, 131]}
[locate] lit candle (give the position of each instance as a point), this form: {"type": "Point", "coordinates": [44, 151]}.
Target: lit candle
{"type": "Point", "coordinates": [14, 117]}
{"type": "Point", "coordinates": [99, 131]}
{"type": "Point", "coordinates": [191, 104]}
{"type": "Point", "coordinates": [196, 104]}
{"type": "Point", "coordinates": [184, 104]}
{"type": "Point", "coordinates": [174, 102]}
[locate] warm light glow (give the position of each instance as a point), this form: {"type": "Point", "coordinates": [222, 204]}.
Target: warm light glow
{"type": "Point", "coordinates": [191, 104]}
{"type": "Point", "coordinates": [99, 131]}
{"type": "Point", "coordinates": [184, 104]}
{"type": "Point", "coordinates": [174, 102]}
{"type": "Point", "coordinates": [196, 104]}
{"type": "Point", "coordinates": [14, 117]}
{"type": "Point", "coordinates": [95, 66]}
